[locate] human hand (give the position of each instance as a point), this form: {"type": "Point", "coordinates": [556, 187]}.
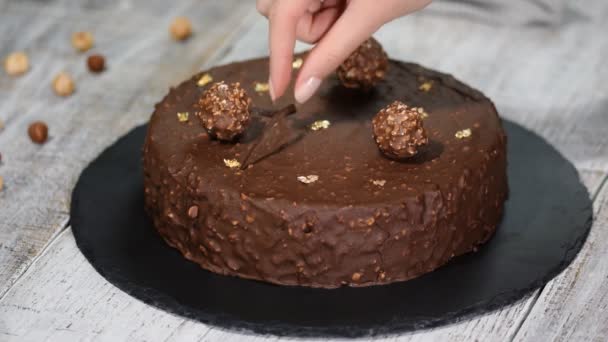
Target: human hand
{"type": "Point", "coordinates": [336, 27]}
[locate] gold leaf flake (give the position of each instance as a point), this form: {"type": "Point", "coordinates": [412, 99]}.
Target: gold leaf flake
{"type": "Point", "coordinates": [261, 87]}
{"type": "Point", "coordinates": [232, 163]}
{"type": "Point", "coordinates": [465, 133]}
{"type": "Point", "coordinates": [426, 86]}
{"type": "Point", "coordinates": [308, 179]}
{"type": "Point", "coordinates": [422, 112]}
{"type": "Point", "coordinates": [378, 182]}
{"type": "Point", "coordinates": [204, 80]}
{"type": "Point", "coordinates": [297, 63]}
{"type": "Point", "coordinates": [183, 116]}
{"type": "Point", "coordinates": [320, 124]}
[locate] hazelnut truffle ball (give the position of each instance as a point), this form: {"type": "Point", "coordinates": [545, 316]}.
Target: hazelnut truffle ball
{"type": "Point", "coordinates": [398, 130]}
{"type": "Point", "coordinates": [365, 67]}
{"type": "Point", "coordinates": [224, 110]}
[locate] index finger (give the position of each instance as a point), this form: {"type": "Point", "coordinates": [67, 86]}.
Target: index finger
{"type": "Point", "coordinates": [283, 20]}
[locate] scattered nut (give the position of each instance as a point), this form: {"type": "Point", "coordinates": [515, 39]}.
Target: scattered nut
{"type": "Point", "coordinates": [180, 28]}
{"type": "Point", "coordinates": [297, 63]}
{"type": "Point", "coordinates": [356, 276]}
{"type": "Point", "coordinates": [398, 131]}
{"type": "Point", "coordinates": [308, 179]}
{"type": "Point", "coordinates": [320, 124]}
{"type": "Point", "coordinates": [82, 41]}
{"type": "Point", "coordinates": [1, 125]}
{"type": "Point", "coordinates": [1, 183]}
{"type": "Point", "coordinates": [63, 85]}
{"type": "Point", "coordinates": [465, 133]}
{"type": "Point", "coordinates": [204, 80]}
{"type": "Point", "coordinates": [38, 132]}
{"type": "Point", "coordinates": [96, 63]}
{"type": "Point", "coordinates": [261, 87]}
{"type": "Point", "coordinates": [224, 110]}
{"type": "Point", "coordinates": [232, 163]}
{"type": "Point", "coordinates": [17, 63]}
{"type": "Point", "coordinates": [365, 67]}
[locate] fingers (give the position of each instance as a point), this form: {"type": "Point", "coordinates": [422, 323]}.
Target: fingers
{"type": "Point", "coordinates": [312, 26]}
{"type": "Point", "coordinates": [358, 22]}
{"type": "Point", "coordinates": [283, 17]}
{"type": "Point", "coordinates": [355, 25]}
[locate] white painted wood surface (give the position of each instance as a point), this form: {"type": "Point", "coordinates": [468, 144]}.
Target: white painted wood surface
{"type": "Point", "coordinates": [548, 75]}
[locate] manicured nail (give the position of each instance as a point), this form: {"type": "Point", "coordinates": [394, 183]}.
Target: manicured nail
{"type": "Point", "coordinates": [271, 90]}
{"type": "Point", "coordinates": [307, 89]}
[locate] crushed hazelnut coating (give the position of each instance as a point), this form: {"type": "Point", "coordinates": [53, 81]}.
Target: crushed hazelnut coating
{"type": "Point", "coordinates": [232, 163]}
{"type": "Point", "coordinates": [320, 124]}
{"type": "Point", "coordinates": [180, 28]}
{"type": "Point", "coordinates": [183, 116]}
{"type": "Point", "coordinates": [365, 67]}
{"type": "Point", "coordinates": [261, 87]}
{"type": "Point", "coordinates": [17, 63]}
{"type": "Point", "coordinates": [308, 179]}
{"type": "Point", "coordinates": [465, 133]}
{"type": "Point", "coordinates": [82, 41]}
{"type": "Point", "coordinates": [297, 63]}
{"type": "Point", "coordinates": [204, 80]}
{"type": "Point", "coordinates": [426, 86]}
{"type": "Point", "coordinates": [398, 131]}
{"type": "Point", "coordinates": [224, 110]}
{"type": "Point", "coordinates": [63, 84]}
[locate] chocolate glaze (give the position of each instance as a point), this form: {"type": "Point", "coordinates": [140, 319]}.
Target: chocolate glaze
{"type": "Point", "coordinates": [367, 220]}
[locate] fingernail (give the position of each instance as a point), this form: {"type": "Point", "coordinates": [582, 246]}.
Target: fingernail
{"type": "Point", "coordinates": [271, 89]}
{"type": "Point", "coordinates": [307, 89]}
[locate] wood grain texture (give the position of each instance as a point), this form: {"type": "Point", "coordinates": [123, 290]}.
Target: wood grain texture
{"type": "Point", "coordinates": [62, 298]}
{"type": "Point", "coordinates": [142, 62]}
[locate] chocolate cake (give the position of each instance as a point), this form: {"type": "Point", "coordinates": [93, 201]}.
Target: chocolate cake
{"type": "Point", "coordinates": [304, 196]}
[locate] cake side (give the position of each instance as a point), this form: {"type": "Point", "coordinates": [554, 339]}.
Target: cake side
{"type": "Point", "coordinates": [366, 220]}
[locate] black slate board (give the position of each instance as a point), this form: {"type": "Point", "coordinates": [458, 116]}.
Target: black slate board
{"type": "Point", "coordinates": [547, 219]}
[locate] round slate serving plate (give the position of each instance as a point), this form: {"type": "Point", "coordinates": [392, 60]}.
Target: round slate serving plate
{"type": "Point", "coordinates": [547, 219]}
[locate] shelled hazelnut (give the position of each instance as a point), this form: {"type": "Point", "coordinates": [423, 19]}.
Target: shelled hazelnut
{"type": "Point", "coordinates": [38, 132]}
{"type": "Point", "coordinates": [181, 28]}
{"type": "Point", "coordinates": [82, 41]}
{"type": "Point", "coordinates": [63, 84]}
{"type": "Point", "coordinates": [96, 63]}
{"type": "Point", "coordinates": [17, 63]}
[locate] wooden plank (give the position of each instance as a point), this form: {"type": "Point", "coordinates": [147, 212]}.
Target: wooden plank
{"type": "Point", "coordinates": [61, 297]}
{"type": "Point", "coordinates": [574, 306]}
{"type": "Point", "coordinates": [142, 63]}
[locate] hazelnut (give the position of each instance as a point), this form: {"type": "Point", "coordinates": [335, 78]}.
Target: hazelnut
{"type": "Point", "coordinates": [38, 132]}
{"type": "Point", "coordinates": [224, 110]}
{"type": "Point", "coordinates": [180, 28]}
{"type": "Point", "coordinates": [82, 41]}
{"type": "Point", "coordinates": [1, 183]}
{"type": "Point", "coordinates": [63, 85]}
{"type": "Point", "coordinates": [96, 63]}
{"type": "Point", "coordinates": [398, 130]}
{"type": "Point", "coordinates": [16, 64]}
{"type": "Point", "coordinates": [365, 67]}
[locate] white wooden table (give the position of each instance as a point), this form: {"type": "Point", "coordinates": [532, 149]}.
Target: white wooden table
{"type": "Point", "coordinates": [549, 75]}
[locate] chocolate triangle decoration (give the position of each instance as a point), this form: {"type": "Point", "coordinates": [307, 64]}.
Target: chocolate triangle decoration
{"type": "Point", "coordinates": [277, 135]}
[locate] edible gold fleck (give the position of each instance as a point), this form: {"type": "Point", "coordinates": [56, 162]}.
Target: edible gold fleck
{"type": "Point", "coordinates": [378, 182]}
{"type": "Point", "coordinates": [426, 86]}
{"type": "Point", "coordinates": [297, 63]}
{"type": "Point", "coordinates": [183, 116]}
{"type": "Point", "coordinates": [232, 163]}
{"type": "Point", "coordinates": [308, 179]}
{"type": "Point", "coordinates": [465, 133]}
{"type": "Point", "coordinates": [320, 124]}
{"type": "Point", "coordinates": [204, 80]}
{"type": "Point", "coordinates": [261, 87]}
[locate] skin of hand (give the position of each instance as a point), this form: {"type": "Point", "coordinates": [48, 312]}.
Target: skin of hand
{"type": "Point", "coordinates": [335, 27]}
